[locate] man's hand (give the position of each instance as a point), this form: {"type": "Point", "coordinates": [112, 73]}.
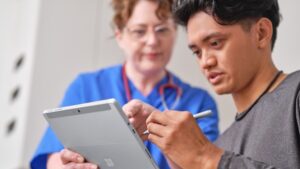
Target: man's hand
{"type": "Point", "coordinates": [177, 134]}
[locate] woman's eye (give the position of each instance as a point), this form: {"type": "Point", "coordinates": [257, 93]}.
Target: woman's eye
{"type": "Point", "coordinates": [162, 30]}
{"type": "Point", "coordinates": [138, 32]}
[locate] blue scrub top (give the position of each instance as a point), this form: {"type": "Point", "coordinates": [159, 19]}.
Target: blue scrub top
{"type": "Point", "coordinates": [108, 83]}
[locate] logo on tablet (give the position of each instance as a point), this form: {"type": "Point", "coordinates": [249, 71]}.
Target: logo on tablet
{"type": "Point", "coordinates": [109, 162]}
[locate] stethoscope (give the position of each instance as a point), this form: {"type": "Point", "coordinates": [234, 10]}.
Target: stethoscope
{"type": "Point", "coordinates": [162, 89]}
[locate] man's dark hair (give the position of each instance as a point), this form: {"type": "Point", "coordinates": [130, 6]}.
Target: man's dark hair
{"type": "Point", "coordinates": [228, 12]}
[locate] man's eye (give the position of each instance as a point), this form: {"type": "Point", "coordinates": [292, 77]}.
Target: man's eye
{"type": "Point", "coordinates": [197, 53]}
{"type": "Point", "coordinates": [216, 43]}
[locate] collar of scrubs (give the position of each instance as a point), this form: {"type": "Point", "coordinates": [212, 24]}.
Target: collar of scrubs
{"type": "Point", "coordinates": [169, 85]}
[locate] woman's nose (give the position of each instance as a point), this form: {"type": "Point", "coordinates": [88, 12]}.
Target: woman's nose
{"type": "Point", "coordinates": [152, 39]}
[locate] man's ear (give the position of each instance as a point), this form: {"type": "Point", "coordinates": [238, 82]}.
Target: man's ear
{"type": "Point", "coordinates": [264, 32]}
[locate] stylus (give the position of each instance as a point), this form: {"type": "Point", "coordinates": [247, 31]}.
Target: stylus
{"type": "Point", "coordinates": [196, 116]}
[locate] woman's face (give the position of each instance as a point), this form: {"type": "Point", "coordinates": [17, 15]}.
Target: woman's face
{"type": "Point", "coordinates": [147, 41]}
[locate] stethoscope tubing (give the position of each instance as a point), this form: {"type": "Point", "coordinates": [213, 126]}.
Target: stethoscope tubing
{"type": "Point", "coordinates": [162, 88]}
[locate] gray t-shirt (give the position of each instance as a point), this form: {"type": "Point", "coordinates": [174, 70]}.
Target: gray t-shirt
{"type": "Point", "coordinates": [268, 136]}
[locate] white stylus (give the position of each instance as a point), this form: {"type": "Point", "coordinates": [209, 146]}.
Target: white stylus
{"type": "Point", "coordinates": [196, 116]}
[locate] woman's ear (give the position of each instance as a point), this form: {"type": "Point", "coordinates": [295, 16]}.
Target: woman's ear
{"type": "Point", "coordinates": [119, 37]}
{"type": "Point", "coordinates": [264, 32]}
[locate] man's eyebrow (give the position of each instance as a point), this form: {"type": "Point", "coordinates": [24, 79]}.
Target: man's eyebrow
{"type": "Point", "coordinates": [206, 38]}
{"type": "Point", "coordinates": [209, 36]}
{"type": "Point", "coordinates": [192, 46]}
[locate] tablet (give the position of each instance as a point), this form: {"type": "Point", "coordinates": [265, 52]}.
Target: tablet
{"type": "Point", "coordinates": [101, 132]}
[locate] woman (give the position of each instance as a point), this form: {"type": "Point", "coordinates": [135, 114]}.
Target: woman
{"type": "Point", "coordinates": [146, 33]}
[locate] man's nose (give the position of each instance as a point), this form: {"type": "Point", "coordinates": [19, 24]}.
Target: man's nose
{"type": "Point", "coordinates": [208, 61]}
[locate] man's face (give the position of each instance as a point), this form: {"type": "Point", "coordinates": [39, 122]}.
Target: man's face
{"type": "Point", "coordinates": [228, 55]}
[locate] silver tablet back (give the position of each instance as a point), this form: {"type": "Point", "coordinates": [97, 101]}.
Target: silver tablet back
{"type": "Point", "coordinates": [101, 132]}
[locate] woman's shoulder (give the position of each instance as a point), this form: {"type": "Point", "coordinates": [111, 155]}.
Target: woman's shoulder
{"type": "Point", "coordinates": [107, 72]}
{"type": "Point", "coordinates": [102, 71]}
{"type": "Point", "coordinates": [98, 77]}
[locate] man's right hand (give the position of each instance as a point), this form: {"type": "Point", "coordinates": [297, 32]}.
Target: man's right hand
{"type": "Point", "coordinates": [67, 159]}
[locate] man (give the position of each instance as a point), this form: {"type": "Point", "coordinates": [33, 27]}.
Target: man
{"type": "Point", "coordinates": [233, 41]}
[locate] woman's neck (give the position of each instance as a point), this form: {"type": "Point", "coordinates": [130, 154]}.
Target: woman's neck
{"type": "Point", "coordinates": [144, 81]}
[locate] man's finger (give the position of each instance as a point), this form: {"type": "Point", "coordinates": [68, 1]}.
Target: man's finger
{"type": "Point", "coordinates": [157, 117]}
{"type": "Point", "coordinates": [157, 129]}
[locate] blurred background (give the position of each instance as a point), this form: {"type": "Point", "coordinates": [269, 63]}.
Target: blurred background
{"type": "Point", "coordinates": [45, 44]}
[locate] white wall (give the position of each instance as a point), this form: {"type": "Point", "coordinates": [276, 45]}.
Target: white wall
{"type": "Point", "coordinates": [63, 38]}
{"type": "Point", "coordinates": [58, 39]}
{"type": "Point", "coordinates": [15, 36]}
{"type": "Point", "coordinates": [286, 53]}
